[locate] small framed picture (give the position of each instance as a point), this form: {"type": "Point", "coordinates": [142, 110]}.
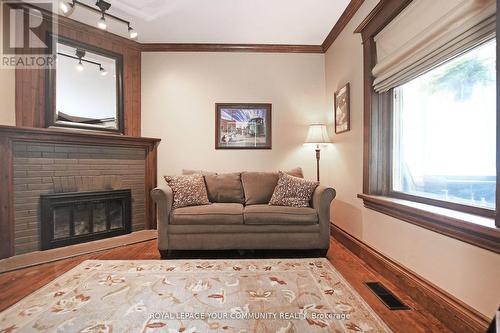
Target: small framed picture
{"type": "Point", "coordinates": [243, 126]}
{"type": "Point", "coordinates": [342, 112]}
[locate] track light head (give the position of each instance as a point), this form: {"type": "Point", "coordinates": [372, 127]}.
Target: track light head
{"type": "Point", "coordinates": [79, 66]}
{"type": "Point", "coordinates": [102, 71]}
{"type": "Point", "coordinates": [132, 33]}
{"type": "Point", "coordinates": [101, 23]}
{"type": "Point", "coordinates": [66, 7]}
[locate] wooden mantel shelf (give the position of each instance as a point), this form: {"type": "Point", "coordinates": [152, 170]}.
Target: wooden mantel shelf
{"type": "Point", "coordinates": [9, 135]}
{"type": "Point", "coordinates": [76, 137]}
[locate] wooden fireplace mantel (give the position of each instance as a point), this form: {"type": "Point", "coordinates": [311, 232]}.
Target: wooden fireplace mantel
{"type": "Point", "coordinates": [76, 137]}
{"type": "Point", "coordinates": [10, 134]}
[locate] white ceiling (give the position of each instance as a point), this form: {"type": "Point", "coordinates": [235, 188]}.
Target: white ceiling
{"type": "Point", "coordinates": [224, 21]}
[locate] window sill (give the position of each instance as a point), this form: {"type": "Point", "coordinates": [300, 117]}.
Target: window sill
{"type": "Point", "coordinates": [473, 229]}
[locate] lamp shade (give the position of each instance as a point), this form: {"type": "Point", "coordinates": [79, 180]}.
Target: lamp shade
{"type": "Point", "coordinates": [317, 134]}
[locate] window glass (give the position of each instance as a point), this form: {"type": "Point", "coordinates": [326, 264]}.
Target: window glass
{"type": "Point", "coordinates": [445, 131]}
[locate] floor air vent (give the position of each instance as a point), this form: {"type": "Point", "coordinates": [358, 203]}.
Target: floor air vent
{"type": "Point", "coordinates": [386, 296]}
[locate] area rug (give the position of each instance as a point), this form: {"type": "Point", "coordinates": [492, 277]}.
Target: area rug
{"type": "Point", "coordinates": [276, 295]}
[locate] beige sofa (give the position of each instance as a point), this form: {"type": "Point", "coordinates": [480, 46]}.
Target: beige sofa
{"type": "Point", "coordinates": [240, 218]}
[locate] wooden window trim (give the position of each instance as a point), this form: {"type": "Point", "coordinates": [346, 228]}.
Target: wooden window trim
{"type": "Point", "coordinates": [473, 229]}
{"type": "Point", "coordinates": [474, 225]}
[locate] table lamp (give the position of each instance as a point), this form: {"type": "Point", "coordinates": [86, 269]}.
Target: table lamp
{"type": "Point", "coordinates": [317, 135]}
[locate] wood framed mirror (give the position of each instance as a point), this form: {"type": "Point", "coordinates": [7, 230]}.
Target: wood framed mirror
{"type": "Point", "coordinates": [85, 89]}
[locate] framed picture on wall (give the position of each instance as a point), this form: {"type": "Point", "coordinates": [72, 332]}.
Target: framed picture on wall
{"type": "Point", "coordinates": [243, 126]}
{"type": "Point", "coordinates": [342, 113]}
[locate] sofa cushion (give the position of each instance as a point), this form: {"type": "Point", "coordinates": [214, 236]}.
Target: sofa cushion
{"type": "Point", "coordinates": [216, 213]}
{"type": "Point", "coordinates": [259, 186]}
{"type": "Point", "coordinates": [293, 191]}
{"type": "Point", "coordinates": [188, 190]}
{"type": "Point", "coordinates": [225, 187]}
{"type": "Point", "coordinates": [265, 214]}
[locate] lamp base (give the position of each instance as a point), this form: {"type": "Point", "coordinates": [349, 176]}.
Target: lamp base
{"type": "Point", "coordinates": [318, 153]}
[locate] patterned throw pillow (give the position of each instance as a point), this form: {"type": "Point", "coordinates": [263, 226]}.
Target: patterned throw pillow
{"type": "Point", "coordinates": [293, 191]}
{"type": "Point", "coordinates": [189, 190]}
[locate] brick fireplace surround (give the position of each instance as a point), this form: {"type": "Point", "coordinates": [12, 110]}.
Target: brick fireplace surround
{"type": "Point", "coordinates": [43, 161]}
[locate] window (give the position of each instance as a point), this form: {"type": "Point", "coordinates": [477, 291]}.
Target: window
{"type": "Point", "coordinates": [430, 135]}
{"type": "Point", "coordinates": [444, 131]}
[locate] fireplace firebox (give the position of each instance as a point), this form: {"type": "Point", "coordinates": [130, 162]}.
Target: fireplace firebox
{"type": "Point", "coordinates": [78, 217]}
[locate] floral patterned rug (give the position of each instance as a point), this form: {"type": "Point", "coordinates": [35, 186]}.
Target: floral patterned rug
{"type": "Point", "coordinates": [276, 295]}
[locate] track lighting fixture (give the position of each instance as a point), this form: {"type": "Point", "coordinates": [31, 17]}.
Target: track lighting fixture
{"type": "Point", "coordinates": [79, 55]}
{"type": "Point", "coordinates": [68, 6]}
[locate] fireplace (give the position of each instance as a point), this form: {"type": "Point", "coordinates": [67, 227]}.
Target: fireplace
{"type": "Point", "coordinates": [78, 217]}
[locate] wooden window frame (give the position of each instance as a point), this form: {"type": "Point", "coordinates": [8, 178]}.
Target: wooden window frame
{"type": "Point", "coordinates": [474, 225]}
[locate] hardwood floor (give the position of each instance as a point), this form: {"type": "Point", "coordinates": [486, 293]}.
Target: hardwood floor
{"type": "Point", "coordinates": [18, 284]}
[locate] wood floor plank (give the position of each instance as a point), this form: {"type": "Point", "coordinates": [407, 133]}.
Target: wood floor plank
{"type": "Point", "coordinates": [16, 285]}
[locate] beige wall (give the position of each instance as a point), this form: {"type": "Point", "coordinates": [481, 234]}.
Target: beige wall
{"type": "Point", "coordinates": [179, 92]}
{"type": "Point", "coordinates": [7, 97]}
{"type": "Point", "coordinates": [467, 272]}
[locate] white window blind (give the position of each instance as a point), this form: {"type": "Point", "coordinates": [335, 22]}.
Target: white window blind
{"type": "Point", "coordinates": [426, 33]}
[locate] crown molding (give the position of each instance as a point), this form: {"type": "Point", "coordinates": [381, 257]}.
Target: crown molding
{"type": "Point", "coordinates": [195, 47]}
{"type": "Point", "coordinates": [344, 19]}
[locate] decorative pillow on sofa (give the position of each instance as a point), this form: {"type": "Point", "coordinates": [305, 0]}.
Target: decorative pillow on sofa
{"type": "Point", "coordinates": [225, 188]}
{"type": "Point", "coordinates": [259, 186]}
{"type": "Point", "coordinates": [293, 191]}
{"type": "Point", "coordinates": [189, 190]}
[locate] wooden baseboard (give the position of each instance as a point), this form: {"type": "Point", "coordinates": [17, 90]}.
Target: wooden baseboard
{"type": "Point", "coordinates": [455, 314]}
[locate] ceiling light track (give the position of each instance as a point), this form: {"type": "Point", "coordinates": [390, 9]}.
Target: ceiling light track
{"type": "Point", "coordinates": [79, 56]}
{"type": "Point", "coordinates": [68, 6]}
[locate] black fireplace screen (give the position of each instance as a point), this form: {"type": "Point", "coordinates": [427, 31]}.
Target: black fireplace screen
{"type": "Point", "coordinates": [71, 218]}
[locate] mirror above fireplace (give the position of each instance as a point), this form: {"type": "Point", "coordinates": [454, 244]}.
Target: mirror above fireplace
{"type": "Point", "coordinates": [84, 89]}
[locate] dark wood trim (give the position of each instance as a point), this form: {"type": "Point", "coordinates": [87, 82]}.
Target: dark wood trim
{"type": "Point", "coordinates": [194, 47]}
{"type": "Point", "coordinates": [374, 12]}
{"type": "Point", "coordinates": [472, 229]}
{"type": "Point", "coordinates": [453, 313]}
{"type": "Point", "coordinates": [6, 199]}
{"type": "Point", "coordinates": [9, 134]}
{"type": "Point", "coordinates": [380, 16]}
{"type": "Point", "coordinates": [342, 22]}
{"type": "Point", "coordinates": [151, 176]}
{"type": "Point", "coordinates": [76, 136]}
{"type": "Point", "coordinates": [489, 213]}
{"type": "Point", "coordinates": [269, 126]}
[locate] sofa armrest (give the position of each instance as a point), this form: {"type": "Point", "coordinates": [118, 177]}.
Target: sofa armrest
{"type": "Point", "coordinates": [163, 196]}
{"type": "Point", "coordinates": [321, 201]}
